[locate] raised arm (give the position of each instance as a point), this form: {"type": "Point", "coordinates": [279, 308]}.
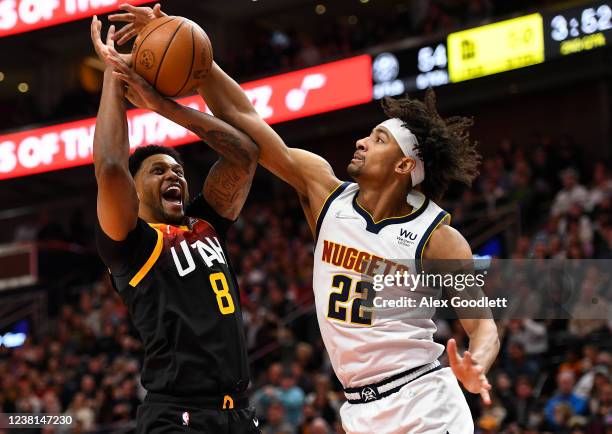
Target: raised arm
{"type": "Point", "coordinates": [303, 170]}
{"type": "Point", "coordinates": [117, 202]}
{"type": "Point", "coordinates": [229, 180]}
{"type": "Point", "coordinates": [308, 173]}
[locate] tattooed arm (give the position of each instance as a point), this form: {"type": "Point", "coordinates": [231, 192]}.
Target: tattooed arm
{"type": "Point", "coordinates": [229, 180]}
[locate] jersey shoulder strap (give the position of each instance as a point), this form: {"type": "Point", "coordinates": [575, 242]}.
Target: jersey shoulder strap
{"type": "Point", "coordinates": [435, 217]}
{"type": "Point", "coordinates": [333, 195]}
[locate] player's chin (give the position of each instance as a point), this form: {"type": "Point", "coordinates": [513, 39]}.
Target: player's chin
{"type": "Point", "coordinates": [353, 169]}
{"type": "Point", "coordinates": [173, 211]}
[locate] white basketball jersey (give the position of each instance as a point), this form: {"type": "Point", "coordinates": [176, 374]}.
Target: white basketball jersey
{"type": "Point", "coordinates": [367, 350]}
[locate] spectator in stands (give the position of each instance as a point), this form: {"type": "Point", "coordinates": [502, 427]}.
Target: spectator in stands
{"type": "Point", "coordinates": [576, 225]}
{"type": "Point", "coordinates": [565, 402]}
{"type": "Point", "coordinates": [503, 402]}
{"type": "Point", "coordinates": [82, 412]}
{"type": "Point", "coordinates": [292, 397]}
{"type": "Point", "coordinates": [525, 409]}
{"type": "Point", "coordinates": [324, 399]}
{"type": "Point", "coordinates": [601, 186]}
{"type": "Point", "coordinates": [601, 422]}
{"type": "Point", "coordinates": [319, 426]}
{"type": "Point", "coordinates": [572, 193]}
{"type": "Point", "coordinates": [276, 422]}
{"type": "Point", "coordinates": [531, 335]}
{"type": "Point", "coordinates": [518, 364]}
{"type": "Point", "coordinates": [266, 391]}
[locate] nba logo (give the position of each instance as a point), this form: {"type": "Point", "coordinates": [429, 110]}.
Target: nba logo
{"type": "Point", "coordinates": [186, 418]}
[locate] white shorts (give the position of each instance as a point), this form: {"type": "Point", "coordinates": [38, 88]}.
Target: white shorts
{"type": "Point", "coordinates": [432, 404]}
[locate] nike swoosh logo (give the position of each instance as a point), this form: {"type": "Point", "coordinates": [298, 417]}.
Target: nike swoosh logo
{"type": "Point", "coordinates": [339, 215]}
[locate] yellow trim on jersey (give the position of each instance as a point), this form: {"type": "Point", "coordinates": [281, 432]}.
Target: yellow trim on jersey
{"type": "Point", "coordinates": [151, 261]}
{"type": "Point", "coordinates": [446, 217]}
{"type": "Point", "coordinates": [389, 218]}
{"type": "Point", "coordinates": [326, 200]}
{"type": "Point", "coordinates": [162, 226]}
{"type": "Point", "coordinates": [228, 402]}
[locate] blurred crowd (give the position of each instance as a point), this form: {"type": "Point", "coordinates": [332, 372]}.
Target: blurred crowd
{"type": "Point", "coordinates": [564, 201]}
{"type": "Point", "coordinates": [550, 376]}
{"type": "Point", "coordinates": [272, 48]}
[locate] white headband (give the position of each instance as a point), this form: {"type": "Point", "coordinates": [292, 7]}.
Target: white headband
{"type": "Point", "coordinates": [407, 142]}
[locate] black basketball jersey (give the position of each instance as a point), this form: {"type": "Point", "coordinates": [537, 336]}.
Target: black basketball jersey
{"type": "Point", "coordinates": [183, 300]}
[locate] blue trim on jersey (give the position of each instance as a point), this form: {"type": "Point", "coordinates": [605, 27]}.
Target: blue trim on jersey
{"type": "Point", "coordinates": [375, 228]}
{"type": "Point", "coordinates": [337, 192]}
{"type": "Point", "coordinates": [419, 250]}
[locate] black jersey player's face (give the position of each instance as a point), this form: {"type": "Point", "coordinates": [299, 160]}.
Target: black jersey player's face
{"type": "Point", "coordinates": [378, 158]}
{"type": "Point", "coordinates": [162, 189]}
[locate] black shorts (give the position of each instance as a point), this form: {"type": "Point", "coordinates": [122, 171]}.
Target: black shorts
{"type": "Point", "coordinates": [169, 417]}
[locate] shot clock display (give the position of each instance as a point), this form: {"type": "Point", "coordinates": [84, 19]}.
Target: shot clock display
{"type": "Point", "coordinates": [578, 29]}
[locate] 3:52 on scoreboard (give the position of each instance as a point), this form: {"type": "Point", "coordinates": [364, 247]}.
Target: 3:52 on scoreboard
{"type": "Point", "coordinates": [495, 48]}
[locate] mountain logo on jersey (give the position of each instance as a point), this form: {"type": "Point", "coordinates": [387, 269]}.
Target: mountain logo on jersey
{"type": "Point", "coordinates": [406, 238]}
{"type": "Point", "coordinates": [369, 394]}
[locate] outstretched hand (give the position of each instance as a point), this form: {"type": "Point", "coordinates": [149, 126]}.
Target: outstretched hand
{"type": "Point", "coordinates": [137, 18]}
{"type": "Point", "coordinates": [468, 371]}
{"type": "Point", "coordinates": [138, 91]}
{"type": "Point", "coordinates": [103, 48]}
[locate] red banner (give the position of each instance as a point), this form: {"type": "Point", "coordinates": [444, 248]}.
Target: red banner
{"type": "Point", "coordinates": [298, 94]}
{"type": "Point", "coordinates": [19, 16]}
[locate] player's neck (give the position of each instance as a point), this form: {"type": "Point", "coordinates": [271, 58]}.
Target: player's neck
{"type": "Point", "coordinates": [384, 203]}
{"type": "Point", "coordinates": [150, 218]}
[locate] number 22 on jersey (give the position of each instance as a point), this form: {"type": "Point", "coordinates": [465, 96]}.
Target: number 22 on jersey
{"type": "Point", "coordinates": [353, 312]}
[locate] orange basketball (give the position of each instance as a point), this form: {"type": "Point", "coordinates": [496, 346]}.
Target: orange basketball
{"type": "Point", "coordinates": [173, 54]}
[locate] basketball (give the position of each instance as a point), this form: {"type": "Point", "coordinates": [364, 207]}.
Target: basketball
{"type": "Point", "coordinates": [173, 54]}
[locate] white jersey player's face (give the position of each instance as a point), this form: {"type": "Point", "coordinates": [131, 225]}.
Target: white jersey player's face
{"type": "Point", "coordinates": [378, 159]}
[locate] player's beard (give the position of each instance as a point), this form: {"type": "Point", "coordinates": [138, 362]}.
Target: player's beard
{"type": "Point", "coordinates": [354, 170]}
{"type": "Point", "coordinates": [172, 218]}
{"type": "Point", "coordinates": [161, 215]}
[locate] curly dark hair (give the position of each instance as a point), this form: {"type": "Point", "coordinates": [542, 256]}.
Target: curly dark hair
{"type": "Point", "coordinates": [444, 145]}
{"type": "Point", "coordinates": [144, 152]}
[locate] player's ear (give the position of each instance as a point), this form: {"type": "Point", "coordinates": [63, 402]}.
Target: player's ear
{"type": "Point", "coordinates": [137, 184]}
{"type": "Point", "coordinates": [405, 166]}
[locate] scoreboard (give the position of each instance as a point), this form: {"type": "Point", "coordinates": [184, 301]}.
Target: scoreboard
{"type": "Point", "coordinates": [578, 29]}
{"type": "Point", "coordinates": [496, 47]}
{"type": "Point", "coordinates": [492, 49]}
{"type": "Point", "coordinates": [410, 69]}
{"type": "Point", "coordinates": [528, 40]}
